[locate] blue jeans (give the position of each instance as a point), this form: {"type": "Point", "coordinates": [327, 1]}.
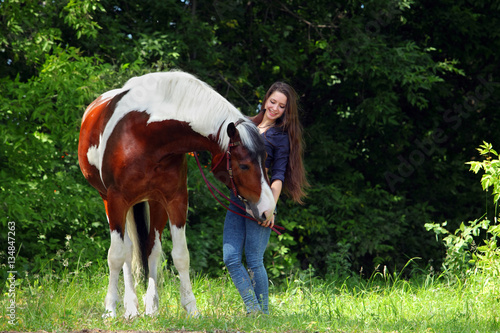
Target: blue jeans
{"type": "Point", "coordinates": [244, 235]}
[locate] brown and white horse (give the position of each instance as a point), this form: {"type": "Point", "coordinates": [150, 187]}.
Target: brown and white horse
{"type": "Point", "coordinates": [132, 149]}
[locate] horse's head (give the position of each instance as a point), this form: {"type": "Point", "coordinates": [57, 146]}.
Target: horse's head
{"type": "Point", "coordinates": [242, 169]}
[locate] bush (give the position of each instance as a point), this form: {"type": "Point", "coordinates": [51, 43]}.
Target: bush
{"type": "Point", "coordinates": [473, 247]}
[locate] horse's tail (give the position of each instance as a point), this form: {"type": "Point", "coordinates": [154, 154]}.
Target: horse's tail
{"type": "Point", "coordinates": [138, 230]}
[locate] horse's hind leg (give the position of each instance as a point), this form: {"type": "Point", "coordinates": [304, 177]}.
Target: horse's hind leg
{"type": "Point", "coordinates": [130, 301]}
{"type": "Point", "coordinates": [119, 253]}
{"type": "Point", "coordinates": [158, 220]}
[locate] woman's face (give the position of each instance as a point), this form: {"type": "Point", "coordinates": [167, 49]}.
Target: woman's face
{"type": "Point", "coordinates": [275, 106]}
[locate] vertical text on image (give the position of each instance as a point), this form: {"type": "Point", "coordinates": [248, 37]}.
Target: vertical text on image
{"type": "Point", "coordinates": [11, 264]}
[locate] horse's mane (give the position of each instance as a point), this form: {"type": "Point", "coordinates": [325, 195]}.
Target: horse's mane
{"type": "Point", "coordinates": [181, 96]}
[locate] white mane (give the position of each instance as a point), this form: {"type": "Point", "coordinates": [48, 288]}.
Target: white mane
{"type": "Point", "coordinates": [181, 96]}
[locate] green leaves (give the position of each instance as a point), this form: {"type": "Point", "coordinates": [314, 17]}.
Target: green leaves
{"type": "Point", "coordinates": [78, 14]}
{"type": "Point", "coordinates": [491, 167]}
{"type": "Point", "coordinates": [463, 249]}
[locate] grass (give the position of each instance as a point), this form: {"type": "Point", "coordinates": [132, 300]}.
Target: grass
{"type": "Point", "coordinates": [73, 301]}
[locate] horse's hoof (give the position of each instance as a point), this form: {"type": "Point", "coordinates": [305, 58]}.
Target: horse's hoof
{"type": "Point", "coordinates": [109, 314]}
{"type": "Point", "coordinates": [151, 305]}
{"type": "Point", "coordinates": [131, 314]}
{"type": "Point", "coordinates": [151, 312]}
{"type": "Point", "coordinates": [194, 314]}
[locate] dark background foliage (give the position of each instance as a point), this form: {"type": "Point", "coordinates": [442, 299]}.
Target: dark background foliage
{"type": "Point", "coordinates": [395, 96]}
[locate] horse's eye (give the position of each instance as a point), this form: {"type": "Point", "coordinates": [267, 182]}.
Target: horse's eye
{"type": "Point", "coordinates": [244, 167]}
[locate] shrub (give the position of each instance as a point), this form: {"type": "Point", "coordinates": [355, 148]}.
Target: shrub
{"type": "Point", "coordinates": [473, 247]}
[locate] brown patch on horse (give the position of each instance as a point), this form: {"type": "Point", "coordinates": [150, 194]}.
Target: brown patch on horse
{"type": "Point", "coordinates": [162, 169]}
{"type": "Point", "coordinates": [243, 164]}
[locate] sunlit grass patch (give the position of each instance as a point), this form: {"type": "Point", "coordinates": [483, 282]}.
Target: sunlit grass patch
{"type": "Point", "coordinates": [384, 303]}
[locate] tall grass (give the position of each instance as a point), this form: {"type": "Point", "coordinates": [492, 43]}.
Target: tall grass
{"type": "Point", "coordinates": [73, 301]}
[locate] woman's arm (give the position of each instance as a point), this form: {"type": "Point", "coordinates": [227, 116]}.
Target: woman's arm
{"type": "Point", "coordinates": [276, 187]}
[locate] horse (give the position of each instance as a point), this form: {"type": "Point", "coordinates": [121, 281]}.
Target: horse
{"type": "Point", "coordinates": [132, 149]}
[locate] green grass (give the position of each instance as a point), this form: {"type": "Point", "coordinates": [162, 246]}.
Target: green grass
{"type": "Point", "coordinates": [74, 301]}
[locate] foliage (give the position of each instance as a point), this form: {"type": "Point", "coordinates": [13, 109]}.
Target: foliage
{"type": "Point", "coordinates": [460, 245]}
{"type": "Point", "coordinates": [474, 245]}
{"type": "Point", "coordinates": [386, 88]}
{"type": "Point", "coordinates": [491, 167]}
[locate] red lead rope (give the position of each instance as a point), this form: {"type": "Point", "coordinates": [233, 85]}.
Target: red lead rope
{"type": "Point", "coordinates": [211, 186]}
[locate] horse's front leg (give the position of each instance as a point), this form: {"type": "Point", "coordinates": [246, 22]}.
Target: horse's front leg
{"type": "Point", "coordinates": [180, 254]}
{"type": "Point", "coordinates": [158, 220]}
{"type": "Point", "coordinates": [130, 301]}
{"type": "Point", "coordinates": [151, 299]}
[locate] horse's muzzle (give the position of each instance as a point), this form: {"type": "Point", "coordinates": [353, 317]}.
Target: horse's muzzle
{"type": "Point", "coordinates": [260, 217]}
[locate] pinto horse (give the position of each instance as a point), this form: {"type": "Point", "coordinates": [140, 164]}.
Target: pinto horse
{"type": "Point", "coordinates": [132, 149]}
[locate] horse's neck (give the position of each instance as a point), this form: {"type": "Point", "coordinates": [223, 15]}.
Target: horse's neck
{"type": "Point", "coordinates": [213, 146]}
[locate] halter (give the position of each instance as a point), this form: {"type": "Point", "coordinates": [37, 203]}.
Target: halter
{"type": "Point", "coordinates": [230, 171]}
{"type": "Point", "coordinates": [229, 167]}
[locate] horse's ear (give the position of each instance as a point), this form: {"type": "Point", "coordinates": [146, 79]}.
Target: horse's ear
{"type": "Point", "coordinates": [231, 130]}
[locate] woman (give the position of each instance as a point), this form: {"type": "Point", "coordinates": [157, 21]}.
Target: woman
{"type": "Point", "coordinates": [278, 123]}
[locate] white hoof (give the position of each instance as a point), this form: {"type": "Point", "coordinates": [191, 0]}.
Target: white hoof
{"type": "Point", "coordinates": [191, 309]}
{"type": "Point", "coordinates": [151, 304]}
{"type": "Point", "coordinates": [109, 314]}
{"type": "Point", "coordinates": [131, 306]}
{"type": "Point", "coordinates": [131, 314]}
{"type": "Point", "coordinates": [194, 314]}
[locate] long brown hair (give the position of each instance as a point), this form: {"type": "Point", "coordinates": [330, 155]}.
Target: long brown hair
{"type": "Point", "coordinates": [295, 175]}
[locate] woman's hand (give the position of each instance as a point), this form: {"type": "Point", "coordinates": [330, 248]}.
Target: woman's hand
{"type": "Point", "coordinates": [276, 187]}
{"type": "Point", "coordinates": [269, 223]}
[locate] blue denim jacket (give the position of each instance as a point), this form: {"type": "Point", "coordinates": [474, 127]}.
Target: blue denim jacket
{"type": "Point", "coordinates": [277, 149]}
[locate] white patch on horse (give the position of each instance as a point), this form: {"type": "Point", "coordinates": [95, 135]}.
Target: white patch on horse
{"type": "Point", "coordinates": [93, 156]}
{"type": "Point", "coordinates": [266, 202]}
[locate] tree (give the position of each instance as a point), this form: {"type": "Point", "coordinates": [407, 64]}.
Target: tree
{"type": "Point", "coordinates": [395, 96]}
